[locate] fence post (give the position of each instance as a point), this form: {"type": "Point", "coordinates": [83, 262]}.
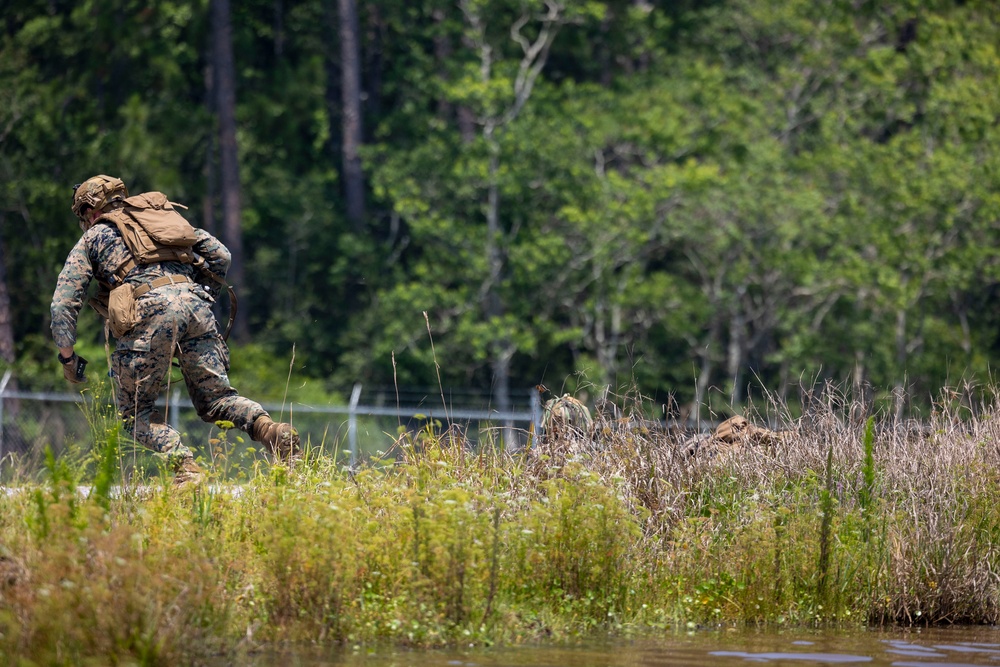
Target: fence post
{"type": "Point", "coordinates": [536, 416]}
{"type": "Point", "coordinates": [3, 388]}
{"type": "Point", "coordinates": [352, 423]}
{"type": "Point", "coordinates": [175, 408]}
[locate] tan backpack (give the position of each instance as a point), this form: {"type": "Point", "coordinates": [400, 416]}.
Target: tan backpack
{"type": "Point", "coordinates": [154, 232]}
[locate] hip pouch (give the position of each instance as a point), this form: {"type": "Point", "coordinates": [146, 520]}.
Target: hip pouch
{"type": "Point", "coordinates": [121, 310]}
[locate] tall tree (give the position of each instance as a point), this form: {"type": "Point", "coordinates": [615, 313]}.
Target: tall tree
{"type": "Point", "coordinates": [350, 66]}
{"type": "Point", "coordinates": [7, 350]}
{"type": "Point", "coordinates": [224, 81]}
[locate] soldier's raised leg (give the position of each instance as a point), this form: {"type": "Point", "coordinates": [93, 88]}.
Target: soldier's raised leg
{"type": "Point", "coordinates": [204, 362]}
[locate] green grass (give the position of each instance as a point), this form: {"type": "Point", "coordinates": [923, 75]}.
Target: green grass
{"type": "Point", "coordinates": [841, 521]}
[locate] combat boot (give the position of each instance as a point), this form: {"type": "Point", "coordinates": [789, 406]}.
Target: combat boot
{"type": "Point", "coordinates": [188, 473]}
{"type": "Point", "coordinates": [280, 437]}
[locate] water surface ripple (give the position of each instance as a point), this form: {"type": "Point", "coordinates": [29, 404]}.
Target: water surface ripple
{"type": "Point", "coordinates": [933, 647]}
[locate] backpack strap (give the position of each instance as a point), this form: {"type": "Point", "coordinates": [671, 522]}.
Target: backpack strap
{"type": "Point", "coordinates": [125, 268]}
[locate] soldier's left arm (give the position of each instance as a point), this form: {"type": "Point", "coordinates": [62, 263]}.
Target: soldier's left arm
{"type": "Point", "coordinates": [215, 254]}
{"type": "Point", "coordinates": [217, 260]}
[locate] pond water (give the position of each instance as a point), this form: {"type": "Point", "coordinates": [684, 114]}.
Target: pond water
{"type": "Point", "coordinates": [925, 647]}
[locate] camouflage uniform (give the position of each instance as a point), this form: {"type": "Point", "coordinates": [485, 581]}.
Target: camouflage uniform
{"type": "Point", "coordinates": [175, 320]}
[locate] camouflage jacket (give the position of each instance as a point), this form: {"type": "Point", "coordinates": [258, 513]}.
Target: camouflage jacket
{"type": "Point", "coordinates": [99, 252]}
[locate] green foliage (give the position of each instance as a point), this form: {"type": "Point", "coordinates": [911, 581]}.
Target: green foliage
{"type": "Point", "coordinates": [267, 376]}
{"type": "Point", "coordinates": [743, 194]}
{"type": "Point", "coordinates": [58, 502]}
{"type": "Point", "coordinates": [106, 472]}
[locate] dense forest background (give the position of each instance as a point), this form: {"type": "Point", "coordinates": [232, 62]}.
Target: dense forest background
{"type": "Point", "coordinates": [677, 196]}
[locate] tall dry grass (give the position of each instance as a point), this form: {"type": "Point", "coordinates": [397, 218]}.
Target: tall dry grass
{"type": "Point", "coordinates": [846, 513]}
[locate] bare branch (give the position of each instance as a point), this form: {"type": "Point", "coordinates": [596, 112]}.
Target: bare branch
{"type": "Point", "coordinates": [535, 55]}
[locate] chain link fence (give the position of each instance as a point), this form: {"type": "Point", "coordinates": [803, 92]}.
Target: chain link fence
{"type": "Point", "coordinates": [367, 426]}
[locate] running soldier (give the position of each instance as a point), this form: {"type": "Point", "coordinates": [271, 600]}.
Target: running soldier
{"type": "Point", "coordinates": [171, 303]}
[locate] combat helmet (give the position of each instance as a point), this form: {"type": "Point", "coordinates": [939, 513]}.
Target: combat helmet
{"type": "Point", "coordinates": [97, 192]}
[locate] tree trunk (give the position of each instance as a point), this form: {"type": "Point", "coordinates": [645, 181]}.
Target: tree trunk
{"type": "Point", "coordinates": [225, 86]}
{"type": "Point", "coordinates": [493, 305]}
{"type": "Point", "coordinates": [607, 337]}
{"type": "Point", "coordinates": [735, 354]}
{"type": "Point", "coordinates": [900, 384]}
{"type": "Point", "coordinates": [211, 157]}
{"type": "Point", "coordinates": [13, 439]}
{"type": "Point", "coordinates": [703, 380]}
{"type": "Point", "coordinates": [701, 385]}
{"type": "Point", "coordinates": [7, 354]}
{"type": "Point", "coordinates": [350, 60]}
{"type": "Point", "coordinates": [332, 94]}
{"type": "Point", "coordinates": [279, 28]}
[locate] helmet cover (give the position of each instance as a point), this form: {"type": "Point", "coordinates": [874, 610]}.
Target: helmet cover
{"type": "Point", "coordinates": [97, 192]}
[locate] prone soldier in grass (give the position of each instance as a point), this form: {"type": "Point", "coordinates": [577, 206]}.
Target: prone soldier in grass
{"type": "Point", "coordinates": [158, 278]}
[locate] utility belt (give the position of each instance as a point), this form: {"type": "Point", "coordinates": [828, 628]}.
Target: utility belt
{"type": "Point", "coordinates": [122, 312]}
{"type": "Point", "coordinates": [100, 302]}
{"type": "Point", "coordinates": [125, 294]}
{"type": "Point", "coordinates": [173, 279]}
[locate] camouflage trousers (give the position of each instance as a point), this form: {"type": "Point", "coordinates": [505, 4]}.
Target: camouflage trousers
{"type": "Point", "coordinates": [175, 320]}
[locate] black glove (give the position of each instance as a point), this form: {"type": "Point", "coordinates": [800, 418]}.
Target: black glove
{"type": "Point", "coordinates": [74, 368]}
